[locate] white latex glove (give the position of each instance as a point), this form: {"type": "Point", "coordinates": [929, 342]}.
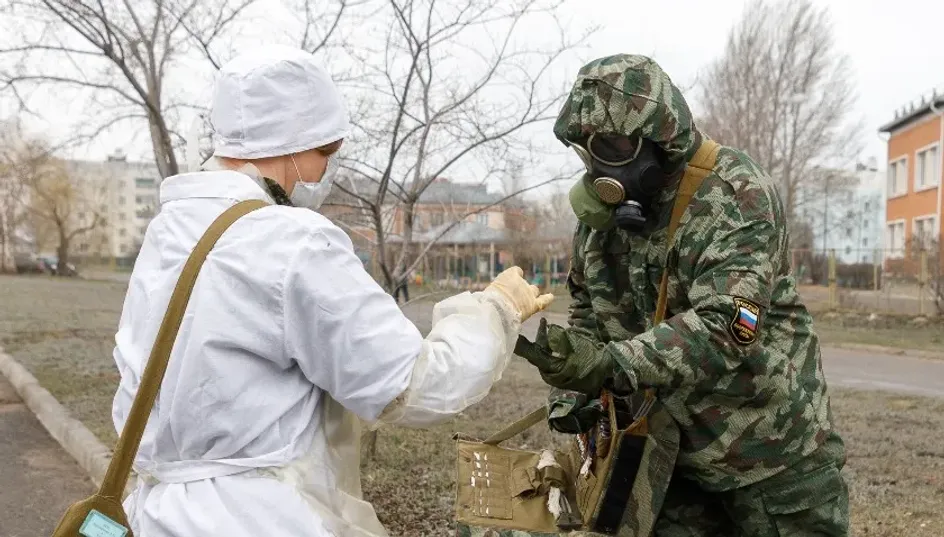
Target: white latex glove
{"type": "Point", "coordinates": [525, 298]}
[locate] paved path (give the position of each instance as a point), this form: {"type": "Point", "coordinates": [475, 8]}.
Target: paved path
{"type": "Point", "coordinates": [38, 480]}
{"type": "Point", "coordinates": [870, 371]}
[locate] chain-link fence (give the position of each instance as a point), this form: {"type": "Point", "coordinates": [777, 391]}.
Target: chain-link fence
{"type": "Point", "coordinates": [906, 281]}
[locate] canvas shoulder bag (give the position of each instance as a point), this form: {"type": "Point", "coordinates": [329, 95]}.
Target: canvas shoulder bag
{"type": "Point", "coordinates": [503, 492]}
{"type": "Point", "coordinates": [102, 515]}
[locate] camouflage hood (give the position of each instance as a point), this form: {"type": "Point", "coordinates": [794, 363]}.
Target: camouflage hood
{"type": "Point", "coordinates": [631, 95]}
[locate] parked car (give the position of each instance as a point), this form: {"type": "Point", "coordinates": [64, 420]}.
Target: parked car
{"type": "Point", "coordinates": [28, 264]}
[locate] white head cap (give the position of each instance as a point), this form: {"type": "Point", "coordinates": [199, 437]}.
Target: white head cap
{"type": "Point", "coordinates": [275, 101]}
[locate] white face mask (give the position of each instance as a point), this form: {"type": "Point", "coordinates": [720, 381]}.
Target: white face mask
{"type": "Point", "coordinates": [312, 195]}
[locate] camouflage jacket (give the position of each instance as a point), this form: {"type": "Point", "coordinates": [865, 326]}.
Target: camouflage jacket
{"type": "Point", "coordinates": [736, 362]}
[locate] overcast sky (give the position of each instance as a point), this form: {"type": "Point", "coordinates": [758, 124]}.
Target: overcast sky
{"type": "Point", "coordinates": [894, 46]}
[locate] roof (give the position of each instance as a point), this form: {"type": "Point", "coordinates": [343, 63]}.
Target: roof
{"type": "Point", "coordinates": [448, 192]}
{"type": "Point", "coordinates": [439, 192]}
{"type": "Point", "coordinates": [462, 233]}
{"type": "Point", "coordinates": [914, 111]}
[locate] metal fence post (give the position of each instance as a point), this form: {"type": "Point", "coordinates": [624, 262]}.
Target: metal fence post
{"type": "Point", "coordinates": [832, 280]}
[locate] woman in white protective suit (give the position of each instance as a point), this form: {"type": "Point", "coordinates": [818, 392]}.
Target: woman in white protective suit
{"type": "Point", "coordinates": [287, 342]}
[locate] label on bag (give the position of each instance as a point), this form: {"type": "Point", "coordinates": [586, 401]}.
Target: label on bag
{"type": "Point", "coordinates": [99, 525]}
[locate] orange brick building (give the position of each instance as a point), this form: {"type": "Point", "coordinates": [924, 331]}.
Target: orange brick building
{"type": "Point", "coordinates": [914, 167]}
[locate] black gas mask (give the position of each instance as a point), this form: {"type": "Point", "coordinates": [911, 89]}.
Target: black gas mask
{"type": "Point", "coordinates": [625, 172]}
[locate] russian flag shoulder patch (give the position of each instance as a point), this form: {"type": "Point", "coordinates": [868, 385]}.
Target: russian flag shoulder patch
{"type": "Point", "coordinates": [744, 325]}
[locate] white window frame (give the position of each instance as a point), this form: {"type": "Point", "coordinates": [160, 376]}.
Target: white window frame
{"type": "Point", "coordinates": [904, 191]}
{"type": "Point", "coordinates": [921, 219]}
{"type": "Point", "coordinates": [890, 252]}
{"type": "Point", "coordinates": [936, 176]}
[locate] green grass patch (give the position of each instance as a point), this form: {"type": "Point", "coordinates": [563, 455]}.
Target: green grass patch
{"type": "Point", "coordinates": [925, 338]}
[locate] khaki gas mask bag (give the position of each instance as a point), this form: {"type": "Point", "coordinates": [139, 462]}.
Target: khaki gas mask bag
{"type": "Point", "coordinates": [500, 489]}
{"type": "Point", "coordinates": [102, 514]}
{"type": "Point", "coordinates": [616, 475]}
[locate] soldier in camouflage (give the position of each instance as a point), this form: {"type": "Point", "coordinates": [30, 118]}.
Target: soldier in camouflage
{"type": "Point", "coordinates": [736, 362]}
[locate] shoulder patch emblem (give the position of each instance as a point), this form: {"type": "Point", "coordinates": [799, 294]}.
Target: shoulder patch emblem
{"type": "Point", "coordinates": [744, 325]}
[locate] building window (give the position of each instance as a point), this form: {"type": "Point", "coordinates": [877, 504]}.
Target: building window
{"type": "Point", "coordinates": [144, 182]}
{"type": "Point", "coordinates": [84, 248]}
{"type": "Point", "coordinates": [898, 177]}
{"type": "Point", "coordinates": [868, 205]}
{"type": "Point", "coordinates": [122, 232]}
{"type": "Point", "coordinates": [122, 200]}
{"type": "Point", "coordinates": [895, 232]}
{"type": "Point", "coordinates": [924, 228]}
{"type": "Point", "coordinates": [482, 218]}
{"type": "Point", "coordinates": [124, 248]}
{"type": "Point", "coordinates": [865, 243]}
{"type": "Point", "coordinates": [926, 168]}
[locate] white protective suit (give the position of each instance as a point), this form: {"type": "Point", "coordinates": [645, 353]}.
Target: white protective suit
{"type": "Point", "coordinates": [286, 342]}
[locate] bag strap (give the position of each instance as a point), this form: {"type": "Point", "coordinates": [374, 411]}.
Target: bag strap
{"type": "Point", "coordinates": [127, 447]}
{"type": "Point", "coordinates": [698, 168]}
{"type": "Point", "coordinates": [536, 416]}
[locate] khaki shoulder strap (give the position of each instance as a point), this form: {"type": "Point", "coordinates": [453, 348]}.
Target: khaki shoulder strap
{"type": "Point", "coordinates": [698, 168]}
{"type": "Point", "coordinates": [120, 466]}
{"type": "Point", "coordinates": [536, 416]}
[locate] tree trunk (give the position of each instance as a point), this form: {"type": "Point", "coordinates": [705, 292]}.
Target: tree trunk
{"type": "Point", "coordinates": [6, 257]}
{"type": "Point", "coordinates": [163, 146]}
{"type": "Point", "coordinates": [62, 252]}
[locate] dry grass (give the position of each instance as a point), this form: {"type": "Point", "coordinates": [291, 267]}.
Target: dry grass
{"type": "Point", "coordinates": [62, 330]}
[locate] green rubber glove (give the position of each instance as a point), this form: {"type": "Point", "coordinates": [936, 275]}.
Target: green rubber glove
{"type": "Point", "coordinates": [572, 412]}
{"type": "Point", "coordinates": [567, 359]}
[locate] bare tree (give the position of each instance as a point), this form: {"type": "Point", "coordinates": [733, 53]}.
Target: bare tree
{"type": "Point", "coordinates": [11, 193]}
{"type": "Point", "coordinates": [783, 93]}
{"type": "Point", "coordinates": [452, 84]}
{"type": "Point", "coordinates": [63, 205]}
{"type": "Point", "coordinates": [120, 55]}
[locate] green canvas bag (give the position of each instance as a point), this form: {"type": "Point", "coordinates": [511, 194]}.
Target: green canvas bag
{"type": "Point", "coordinates": [504, 492]}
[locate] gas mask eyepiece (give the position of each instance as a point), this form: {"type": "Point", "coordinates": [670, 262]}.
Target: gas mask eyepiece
{"type": "Point", "coordinates": [624, 172]}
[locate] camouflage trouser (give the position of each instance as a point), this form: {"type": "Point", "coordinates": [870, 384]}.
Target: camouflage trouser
{"type": "Point", "coordinates": [808, 499]}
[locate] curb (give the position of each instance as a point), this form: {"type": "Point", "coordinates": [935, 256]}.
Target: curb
{"type": "Point", "coordinates": [891, 351]}
{"type": "Point", "coordinates": [71, 434]}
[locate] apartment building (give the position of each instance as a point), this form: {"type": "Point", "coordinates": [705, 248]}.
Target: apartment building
{"type": "Point", "coordinates": [122, 193]}
{"type": "Point", "coordinates": [913, 206]}
{"type": "Point", "coordinates": [845, 212]}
